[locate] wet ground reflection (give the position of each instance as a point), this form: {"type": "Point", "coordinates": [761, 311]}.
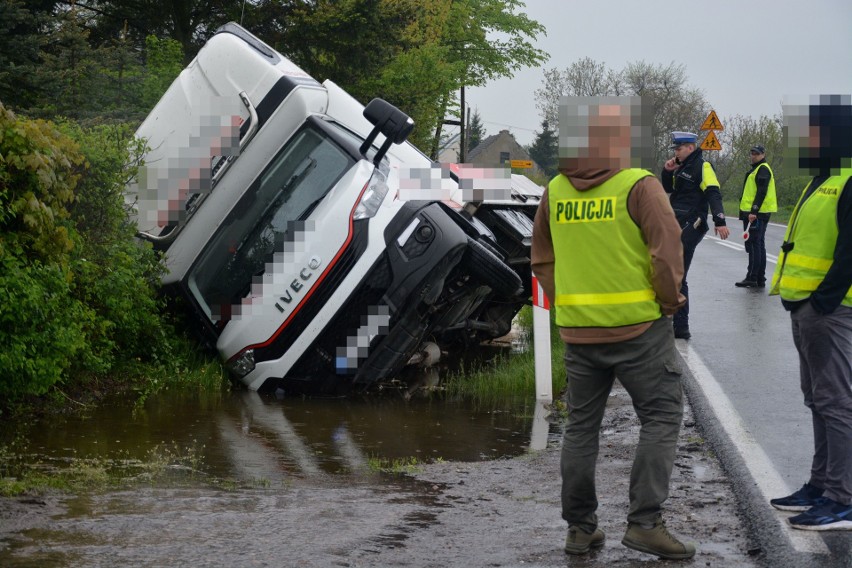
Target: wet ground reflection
{"type": "Point", "coordinates": [247, 436]}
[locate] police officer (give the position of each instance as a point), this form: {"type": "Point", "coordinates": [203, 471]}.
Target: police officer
{"type": "Point", "coordinates": [691, 184]}
{"type": "Point", "coordinates": [605, 249]}
{"type": "Point", "coordinates": [757, 202]}
{"type": "Point", "coordinates": [813, 275]}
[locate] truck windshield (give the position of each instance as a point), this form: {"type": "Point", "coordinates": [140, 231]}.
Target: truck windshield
{"type": "Point", "coordinates": [264, 219]}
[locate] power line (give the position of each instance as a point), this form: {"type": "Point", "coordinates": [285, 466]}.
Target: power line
{"type": "Point", "coordinates": [508, 125]}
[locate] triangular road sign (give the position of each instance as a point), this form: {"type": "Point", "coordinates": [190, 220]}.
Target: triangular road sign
{"type": "Point", "coordinates": [711, 142]}
{"type": "Point", "coordinates": [712, 122]}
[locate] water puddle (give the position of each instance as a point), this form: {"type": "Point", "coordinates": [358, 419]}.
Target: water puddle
{"type": "Point", "coordinates": [175, 481]}
{"type": "Point", "coordinates": [247, 437]}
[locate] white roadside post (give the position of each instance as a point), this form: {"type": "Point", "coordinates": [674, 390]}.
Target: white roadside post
{"type": "Point", "coordinates": [541, 343]}
{"type": "Point", "coordinates": [543, 381]}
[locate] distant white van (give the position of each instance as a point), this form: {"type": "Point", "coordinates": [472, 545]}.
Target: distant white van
{"type": "Point", "coordinates": [317, 249]}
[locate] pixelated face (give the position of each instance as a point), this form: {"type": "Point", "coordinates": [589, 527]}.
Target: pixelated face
{"type": "Point", "coordinates": [607, 132]}
{"type": "Point", "coordinates": [756, 156]}
{"type": "Point", "coordinates": [609, 135]}
{"type": "Point", "coordinates": [818, 132]}
{"type": "Point", "coordinates": [797, 130]}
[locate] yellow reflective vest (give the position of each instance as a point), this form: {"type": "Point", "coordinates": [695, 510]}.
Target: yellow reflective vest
{"type": "Point", "coordinates": [813, 233]}
{"type": "Point", "coordinates": [603, 268]}
{"type": "Point", "coordinates": [770, 202]}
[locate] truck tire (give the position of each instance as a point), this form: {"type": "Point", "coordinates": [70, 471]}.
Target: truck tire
{"type": "Point", "coordinates": [487, 268]}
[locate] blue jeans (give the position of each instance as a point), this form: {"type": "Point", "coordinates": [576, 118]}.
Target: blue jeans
{"type": "Point", "coordinates": [755, 246]}
{"type": "Point", "coordinates": [647, 369]}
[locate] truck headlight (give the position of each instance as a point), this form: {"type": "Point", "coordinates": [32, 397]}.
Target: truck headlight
{"type": "Point", "coordinates": [373, 196]}
{"type": "Point", "coordinates": [242, 364]}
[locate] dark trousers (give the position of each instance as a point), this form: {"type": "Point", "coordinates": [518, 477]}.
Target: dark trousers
{"type": "Point", "coordinates": [824, 343]}
{"type": "Point", "coordinates": [647, 369]}
{"type": "Point", "coordinates": [755, 246]}
{"type": "Point", "coordinates": [689, 238]}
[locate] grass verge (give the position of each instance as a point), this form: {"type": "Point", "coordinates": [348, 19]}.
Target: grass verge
{"type": "Point", "coordinates": [507, 376]}
{"type": "Point", "coordinates": [732, 212]}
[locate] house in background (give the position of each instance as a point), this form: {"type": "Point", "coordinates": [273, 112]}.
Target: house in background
{"type": "Point", "coordinates": [448, 152]}
{"type": "Point", "coordinates": [499, 149]}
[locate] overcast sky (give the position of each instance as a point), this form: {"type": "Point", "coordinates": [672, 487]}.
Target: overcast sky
{"type": "Point", "coordinates": [744, 55]}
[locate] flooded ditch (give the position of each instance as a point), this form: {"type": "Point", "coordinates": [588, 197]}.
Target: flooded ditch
{"type": "Point", "coordinates": [247, 437]}
{"type": "Point", "coordinates": [256, 481]}
{"type": "Point", "coordinates": [243, 479]}
{"type": "Point", "coordinates": [152, 483]}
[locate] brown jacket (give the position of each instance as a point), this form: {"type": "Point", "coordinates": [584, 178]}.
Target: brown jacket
{"type": "Point", "coordinates": [649, 207]}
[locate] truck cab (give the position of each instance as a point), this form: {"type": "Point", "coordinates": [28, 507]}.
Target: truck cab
{"type": "Point", "coordinates": [285, 214]}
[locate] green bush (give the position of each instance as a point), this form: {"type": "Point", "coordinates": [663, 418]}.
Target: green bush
{"type": "Point", "coordinates": [114, 275]}
{"type": "Point", "coordinates": [40, 326]}
{"type": "Point", "coordinates": [38, 175]}
{"type": "Point", "coordinates": [78, 294]}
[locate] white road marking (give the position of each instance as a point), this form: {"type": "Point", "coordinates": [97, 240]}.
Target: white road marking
{"type": "Point", "coordinates": [769, 257]}
{"type": "Point", "coordinates": [731, 245]}
{"type": "Point", "coordinates": [767, 478]}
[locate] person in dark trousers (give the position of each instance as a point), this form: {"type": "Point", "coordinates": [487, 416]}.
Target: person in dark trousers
{"type": "Point", "coordinates": [758, 201]}
{"type": "Point", "coordinates": [692, 185]}
{"type": "Point", "coordinates": [605, 249]}
{"type": "Point", "coordinates": [813, 275]}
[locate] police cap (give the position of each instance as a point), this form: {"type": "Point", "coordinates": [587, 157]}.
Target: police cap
{"type": "Point", "coordinates": [759, 149]}
{"type": "Point", "coordinates": [679, 138]}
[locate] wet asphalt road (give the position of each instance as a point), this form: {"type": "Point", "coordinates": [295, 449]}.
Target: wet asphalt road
{"type": "Point", "coordinates": [744, 378]}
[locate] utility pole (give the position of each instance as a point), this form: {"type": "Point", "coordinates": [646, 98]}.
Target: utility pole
{"type": "Point", "coordinates": [461, 124]}
{"type": "Point", "coordinates": [462, 127]}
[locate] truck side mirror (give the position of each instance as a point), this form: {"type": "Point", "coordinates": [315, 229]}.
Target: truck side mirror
{"type": "Point", "coordinates": [394, 124]}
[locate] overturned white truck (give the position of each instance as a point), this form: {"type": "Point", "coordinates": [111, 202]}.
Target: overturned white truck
{"type": "Point", "coordinates": [293, 228]}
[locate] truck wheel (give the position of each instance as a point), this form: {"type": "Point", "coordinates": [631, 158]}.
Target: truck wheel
{"type": "Point", "coordinates": [490, 270]}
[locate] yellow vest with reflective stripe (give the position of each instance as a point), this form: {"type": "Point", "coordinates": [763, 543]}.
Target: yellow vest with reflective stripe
{"type": "Point", "coordinates": [813, 232]}
{"type": "Point", "coordinates": [603, 268]}
{"type": "Point", "coordinates": [770, 202]}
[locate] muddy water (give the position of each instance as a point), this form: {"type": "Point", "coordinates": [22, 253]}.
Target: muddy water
{"type": "Point", "coordinates": [490, 513]}
{"type": "Point", "coordinates": [249, 437]}
{"type": "Point", "coordinates": [250, 479]}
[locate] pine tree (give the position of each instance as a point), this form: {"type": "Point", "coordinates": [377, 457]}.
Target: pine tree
{"type": "Point", "coordinates": [545, 149]}
{"type": "Point", "coordinates": [475, 132]}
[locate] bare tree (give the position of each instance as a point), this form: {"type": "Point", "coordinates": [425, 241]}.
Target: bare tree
{"type": "Point", "coordinates": [675, 104]}
{"type": "Point", "coordinates": [740, 135]}
{"type": "Point", "coordinates": [583, 78]}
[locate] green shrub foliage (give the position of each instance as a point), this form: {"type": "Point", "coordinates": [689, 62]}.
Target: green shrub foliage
{"type": "Point", "coordinates": [40, 326]}
{"type": "Point", "coordinates": [79, 294]}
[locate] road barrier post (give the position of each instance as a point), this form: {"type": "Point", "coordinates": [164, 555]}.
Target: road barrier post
{"type": "Point", "coordinates": [541, 343]}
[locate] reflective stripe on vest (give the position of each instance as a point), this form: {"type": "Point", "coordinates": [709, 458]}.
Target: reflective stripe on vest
{"type": "Point", "coordinates": [770, 202]}
{"type": "Point", "coordinates": [603, 268]}
{"type": "Point", "coordinates": [813, 231]}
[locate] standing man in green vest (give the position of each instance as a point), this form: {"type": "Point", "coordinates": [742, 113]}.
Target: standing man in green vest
{"type": "Point", "coordinates": [757, 202]}
{"type": "Point", "coordinates": [813, 275]}
{"type": "Point", "coordinates": [606, 249]}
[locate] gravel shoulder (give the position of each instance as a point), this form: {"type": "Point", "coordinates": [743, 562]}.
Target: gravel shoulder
{"type": "Point", "coordinates": [498, 513]}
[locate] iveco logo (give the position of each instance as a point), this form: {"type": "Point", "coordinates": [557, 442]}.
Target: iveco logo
{"type": "Point", "coordinates": [298, 283]}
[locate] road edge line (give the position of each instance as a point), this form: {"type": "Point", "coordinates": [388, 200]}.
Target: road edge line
{"type": "Point", "coordinates": [740, 454]}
